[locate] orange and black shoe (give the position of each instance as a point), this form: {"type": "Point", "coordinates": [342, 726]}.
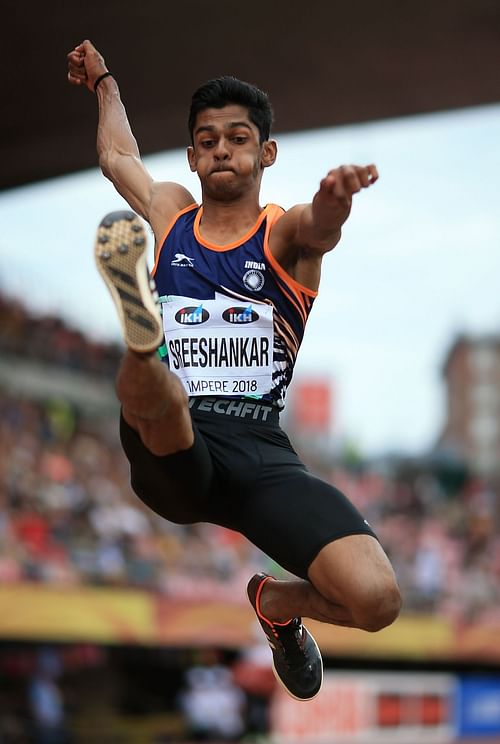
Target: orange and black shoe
{"type": "Point", "coordinates": [120, 254]}
{"type": "Point", "coordinates": [296, 657]}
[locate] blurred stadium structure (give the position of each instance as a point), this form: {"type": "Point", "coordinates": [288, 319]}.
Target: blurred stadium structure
{"type": "Point", "coordinates": [106, 606]}
{"type": "Point", "coordinates": [322, 63]}
{"type": "Point", "coordinates": [472, 430]}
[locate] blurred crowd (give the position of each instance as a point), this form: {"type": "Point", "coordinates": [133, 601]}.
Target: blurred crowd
{"type": "Point", "coordinates": [49, 339]}
{"type": "Point", "coordinates": [68, 515]}
{"type": "Point", "coordinates": [440, 532]}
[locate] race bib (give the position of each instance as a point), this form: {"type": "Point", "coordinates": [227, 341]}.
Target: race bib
{"type": "Point", "coordinates": [219, 346]}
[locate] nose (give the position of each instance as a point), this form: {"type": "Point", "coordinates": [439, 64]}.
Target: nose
{"type": "Point", "coordinates": [222, 151]}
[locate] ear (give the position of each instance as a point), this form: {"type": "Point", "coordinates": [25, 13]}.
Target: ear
{"type": "Point", "coordinates": [191, 158]}
{"type": "Point", "coordinates": [269, 153]}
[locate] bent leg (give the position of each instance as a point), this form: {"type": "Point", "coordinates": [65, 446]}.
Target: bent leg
{"type": "Point", "coordinates": [354, 572]}
{"type": "Point", "coordinates": [312, 529]}
{"type": "Point", "coordinates": [351, 583]}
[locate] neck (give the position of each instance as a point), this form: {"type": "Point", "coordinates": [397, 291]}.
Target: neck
{"type": "Point", "coordinates": [226, 221]}
{"type": "Point", "coordinates": [242, 209]}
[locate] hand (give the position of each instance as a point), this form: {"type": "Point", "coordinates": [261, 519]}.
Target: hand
{"type": "Point", "coordinates": [334, 197]}
{"type": "Point", "coordinates": [85, 65]}
{"type": "Point", "coordinates": [341, 183]}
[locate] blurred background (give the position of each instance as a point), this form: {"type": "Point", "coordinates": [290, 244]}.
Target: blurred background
{"type": "Point", "coordinates": [117, 626]}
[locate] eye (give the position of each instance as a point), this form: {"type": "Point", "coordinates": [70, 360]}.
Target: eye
{"type": "Point", "coordinates": [207, 143]}
{"type": "Point", "coordinates": [239, 139]}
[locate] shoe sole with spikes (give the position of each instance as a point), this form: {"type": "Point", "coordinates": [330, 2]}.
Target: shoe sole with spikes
{"type": "Point", "coordinates": [120, 254]}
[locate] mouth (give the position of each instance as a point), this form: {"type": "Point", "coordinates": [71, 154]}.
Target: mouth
{"type": "Point", "coordinates": [221, 169]}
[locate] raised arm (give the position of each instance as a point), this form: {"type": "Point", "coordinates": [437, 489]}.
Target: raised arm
{"type": "Point", "coordinates": [306, 232]}
{"type": "Point", "coordinates": [119, 156]}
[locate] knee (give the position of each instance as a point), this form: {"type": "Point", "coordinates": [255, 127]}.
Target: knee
{"type": "Point", "coordinates": [162, 440]}
{"type": "Point", "coordinates": [169, 432]}
{"type": "Point", "coordinates": [378, 605]}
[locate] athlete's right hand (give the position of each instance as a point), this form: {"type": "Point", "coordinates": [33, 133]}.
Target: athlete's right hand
{"type": "Point", "coordinates": [85, 65]}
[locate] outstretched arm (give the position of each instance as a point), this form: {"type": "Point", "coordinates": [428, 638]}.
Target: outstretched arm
{"type": "Point", "coordinates": [308, 231]}
{"type": "Point", "coordinates": [119, 156]}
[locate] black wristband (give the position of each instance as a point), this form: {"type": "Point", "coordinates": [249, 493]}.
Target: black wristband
{"type": "Point", "coordinates": [101, 77]}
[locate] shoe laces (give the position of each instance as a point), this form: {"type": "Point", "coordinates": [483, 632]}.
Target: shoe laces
{"type": "Point", "coordinates": [291, 641]}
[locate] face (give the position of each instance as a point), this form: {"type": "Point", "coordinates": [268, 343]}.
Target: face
{"type": "Point", "coordinates": [227, 153]}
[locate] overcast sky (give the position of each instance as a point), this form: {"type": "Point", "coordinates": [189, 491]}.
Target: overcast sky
{"type": "Point", "coordinates": [419, 261]}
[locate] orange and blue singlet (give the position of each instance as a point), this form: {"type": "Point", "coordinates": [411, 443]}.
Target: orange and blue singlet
{"type": "Point", "coordinates": [234, 319]}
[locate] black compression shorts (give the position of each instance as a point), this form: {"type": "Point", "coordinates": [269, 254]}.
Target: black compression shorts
{"type": "Point", "coordinates": [242, 473]}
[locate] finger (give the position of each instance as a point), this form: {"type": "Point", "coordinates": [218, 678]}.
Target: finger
{"type": "Point", "coordinates": [332, 184]}
{"type": "Point", "coordinates": [372, 170]}
{"type": "Point", "coordinates": [73, 79]}
{"type": "Point", "coordinates": [364, 176]}
{"type": "Point", "coordinates": [328, 182]}
{"type": "Point", "coordinates": [75, 60]}
{"type": "Point", "coordinates": [78, 51]}
{"type": "Point", "coordinates": [88, 47]}
{"type": "Point", "coordinates": [77, 70]}
{"type": "Point", "coordinates": [79, 79]}
{"type": "Point", "coordinates": [349, 182]}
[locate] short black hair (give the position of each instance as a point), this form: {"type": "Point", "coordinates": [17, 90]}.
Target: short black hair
{"type": "Point", "coordinates": [225, 90]}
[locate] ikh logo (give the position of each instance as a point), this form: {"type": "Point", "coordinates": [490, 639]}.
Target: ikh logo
{"type": "Point", "coordinates": [240, 315]}
{"type": "Point", "coordinates": [192, 315]}
{"type": "Point", "coordinates": [182, 260]}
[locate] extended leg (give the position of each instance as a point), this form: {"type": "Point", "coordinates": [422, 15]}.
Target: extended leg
{"type": "Point", "coordinates": [153, 399]}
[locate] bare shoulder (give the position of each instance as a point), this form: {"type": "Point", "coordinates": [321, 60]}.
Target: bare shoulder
{"type": "Point", "coordinates": [167, 199]}
{"type": "Point", "coordinates": [285, 228]}
{"type": "Point", "coordinates": [289, 248]}
{"type": "Point", "coordinates": [284, 236]}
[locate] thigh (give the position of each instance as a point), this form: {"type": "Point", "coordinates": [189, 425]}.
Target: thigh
{"type": "Point", "coordinates": [177, 487]}
{"type": "Point", "coordinates": [292, 515]}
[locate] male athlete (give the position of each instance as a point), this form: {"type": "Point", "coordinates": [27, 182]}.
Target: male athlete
{"type": "Point", "coordinates": [200, 427]}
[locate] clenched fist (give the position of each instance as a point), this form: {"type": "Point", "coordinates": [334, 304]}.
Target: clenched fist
{"type": "Point", "coordinates": [85, 65]}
